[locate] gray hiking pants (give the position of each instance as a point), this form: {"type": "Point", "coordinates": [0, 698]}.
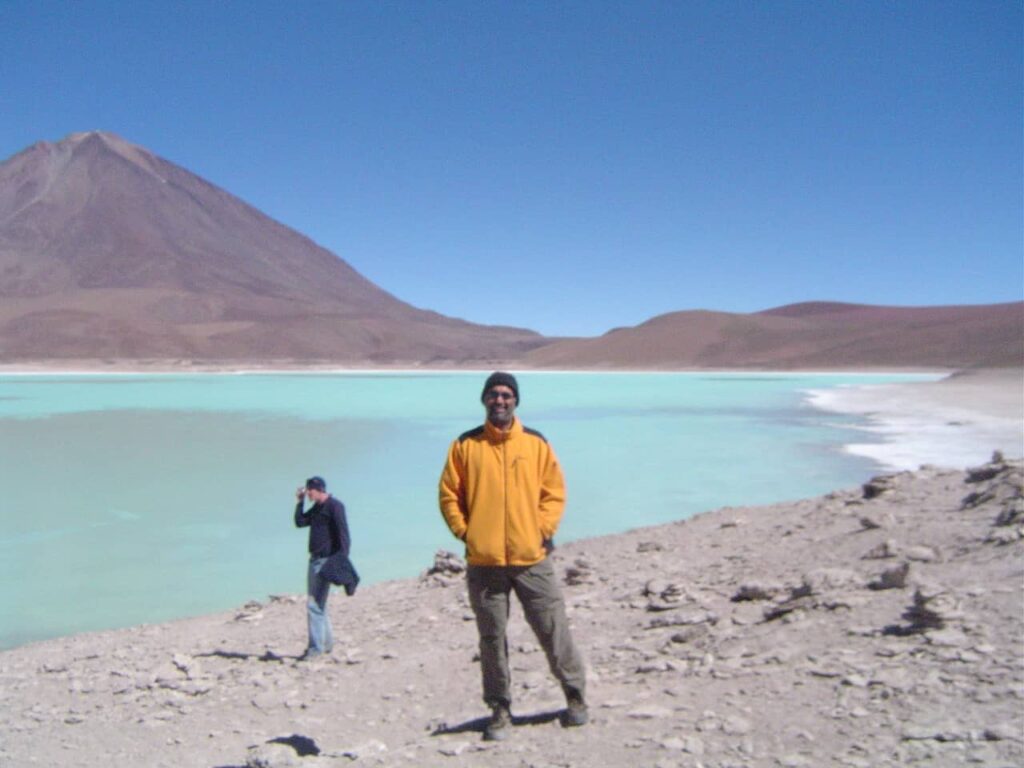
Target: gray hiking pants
{"type": "Point", "coordinates": [536, 586]}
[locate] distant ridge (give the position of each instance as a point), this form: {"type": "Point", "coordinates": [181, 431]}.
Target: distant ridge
{"type": "Point", "coordinates": [808, 335]}
{"type": "Point", "coordinates": [108, 251]}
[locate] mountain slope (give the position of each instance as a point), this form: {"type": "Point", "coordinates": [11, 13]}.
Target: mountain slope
{"type": "Point", "coordinates": [817, 334]}
{"type": "Point", "coordinates": [107, 250]}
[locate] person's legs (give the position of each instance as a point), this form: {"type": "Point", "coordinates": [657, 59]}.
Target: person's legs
{"type": "Point", "coordinates": [488, 595]}
{"type": "Point", "coordinates": [544, 607]}
{"type": "Point", "coordinates": [321, 637]}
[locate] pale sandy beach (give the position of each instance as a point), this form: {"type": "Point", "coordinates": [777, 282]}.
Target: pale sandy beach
{"type": "Point", "coordinates": [954, 422]}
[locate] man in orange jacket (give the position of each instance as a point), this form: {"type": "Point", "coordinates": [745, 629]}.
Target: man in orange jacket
{"type": "Point", "coordinates": [502, 493]}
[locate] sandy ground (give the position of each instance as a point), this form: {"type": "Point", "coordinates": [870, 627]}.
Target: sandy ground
{"type": "Point", "coordinates": [954, 422]}
{"type": "Point", "coordinates": [876, 626]}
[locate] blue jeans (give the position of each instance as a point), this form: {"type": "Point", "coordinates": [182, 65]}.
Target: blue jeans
{"type": "Point", "coordinates": [321, 638]}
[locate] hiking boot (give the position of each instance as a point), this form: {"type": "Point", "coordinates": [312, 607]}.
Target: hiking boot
{"type": "Point", "coordinates": [499, 725]}
{"type": "Point", "coordinates": [576, 712]}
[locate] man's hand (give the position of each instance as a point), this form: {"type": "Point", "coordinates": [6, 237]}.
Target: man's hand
{"type": "Point", "coordinates": [300, 493]}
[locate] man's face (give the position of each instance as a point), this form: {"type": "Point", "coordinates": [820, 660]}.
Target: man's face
{"type": "Point", "coordinates": [315, 496]}
{"type": "Point", "coordinates": [500, 402]}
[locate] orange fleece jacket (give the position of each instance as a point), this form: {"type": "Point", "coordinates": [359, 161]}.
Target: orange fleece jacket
{"type": "Point", "coordinates": [503, 494]}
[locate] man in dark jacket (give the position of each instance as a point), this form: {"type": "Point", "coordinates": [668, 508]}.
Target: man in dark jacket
{"type": "Point", "coordinates": [328, 533]}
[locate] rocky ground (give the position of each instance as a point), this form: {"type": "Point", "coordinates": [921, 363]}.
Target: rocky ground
{"type": "Point", "coordinates": [877, 626]}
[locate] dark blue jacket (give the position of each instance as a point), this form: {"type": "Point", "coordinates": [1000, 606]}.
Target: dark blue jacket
{"type": "Point", "coordinates": [328, 528]}
{"type": "Point", "coordinates": [339, 570]}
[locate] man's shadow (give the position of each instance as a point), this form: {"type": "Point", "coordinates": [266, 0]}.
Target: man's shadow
{"type": "Point", "coordinates": [266, 656]}
{"type": "Point", "coordinates": [478, 724]}
{"type": "Point", "coordinates": [303, 746]}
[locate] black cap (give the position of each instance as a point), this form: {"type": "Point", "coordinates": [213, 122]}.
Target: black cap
{"type": "Point", "coordinates": [316, 483]}
{"type": "Point", "coordinates": [500, 378]}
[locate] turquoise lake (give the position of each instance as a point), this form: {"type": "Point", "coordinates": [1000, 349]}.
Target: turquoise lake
{"type": "Point", "coordinates": [137, 498]}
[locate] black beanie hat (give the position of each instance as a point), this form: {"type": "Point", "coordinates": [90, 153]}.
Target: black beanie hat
{"type": "Point", "coordinates": [316, 483]}
{"type": "Point", "coordinates": [500, 378]}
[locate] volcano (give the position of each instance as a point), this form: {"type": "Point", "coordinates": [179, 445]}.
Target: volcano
{"type": "Point", "coordinates": [110, 252]}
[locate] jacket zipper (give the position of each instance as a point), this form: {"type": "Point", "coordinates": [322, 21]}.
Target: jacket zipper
{"type": "Point", "coordinates": [504, 484]}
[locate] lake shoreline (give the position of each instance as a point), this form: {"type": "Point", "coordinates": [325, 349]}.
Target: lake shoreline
{"type": "Point", "coordinates": [881, 621]}
{"type": "Point", "coordinates": [95, 366]}
{"type": "Point", "coordinates": [985, 389]}
{"type": "Point", "coordinates": [957, 421]}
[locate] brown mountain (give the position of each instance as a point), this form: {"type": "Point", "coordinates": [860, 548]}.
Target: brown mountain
{"type": "Point", "coordinates": [810, 335]}
{"type": "Point", "coordinates": [108, 251]}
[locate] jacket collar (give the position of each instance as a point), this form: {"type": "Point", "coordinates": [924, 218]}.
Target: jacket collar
{"type": "Point", "coordinates": [496, 435]}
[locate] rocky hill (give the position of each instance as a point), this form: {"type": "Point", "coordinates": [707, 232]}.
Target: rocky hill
{"type": "Point", "coordinates": [874, 627]}
{"type": "Point", "coordinates": [813, 335]}
{"type": "Point", "coordinates": [108, 251]}
{"type": "Point", "coordinates": [112, 255]}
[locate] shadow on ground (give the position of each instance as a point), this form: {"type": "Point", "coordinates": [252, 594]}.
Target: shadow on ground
{"type": "Point", "coordinates": [477, 725]}
{"type": "Point", "coordinates": [239, 656]}
{"type": "Point", "coordinates": [303, 746]}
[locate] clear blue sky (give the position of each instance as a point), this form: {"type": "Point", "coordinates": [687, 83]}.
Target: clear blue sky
{"type": "Point", "coordinates": [573, 166]}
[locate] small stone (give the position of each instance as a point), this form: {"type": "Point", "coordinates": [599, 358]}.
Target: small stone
{"type": "Point", "coordinates": [875, 520]}
{"type": "Point", "coordinates": [649, 546]}
{"type": "Point", "coordinates": [757, 591]}
{"type": "Point", "coordinates": [674, 743]}
{"type": "Point", "coordinates": [921, 554]}
{"type": "Point", "coordinates": [1003, 732]}
{"type": "Point", "coordinates": [455, 749]}
{"type": "Point", "coordinates": [888, 548]}
{"type": "Point", "coordinates": [651, 712]}
{"type": "Point", "coordinates": [949, 638]}
{"type": "Point", "coordinates": [366, 749]}
{"type": "Point", "coordinates": [745, 615]}
{"type": "Point", "coordinates": [272, 756]}
{"type": "Point", "coordinates": [892, 578]}
{"type": "Point", "coordinates": [693, 745]}
{"type": "Point", "coordinates": [825, 579]}
{"type": "Point", "coordinates": [734, 725]}
{"type": "Point", "coordinates": [879, 485]}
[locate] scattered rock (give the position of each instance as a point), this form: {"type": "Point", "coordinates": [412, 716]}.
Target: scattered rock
{"type": "Point", "coordinates": [447, 568]}
{"type": "Point", "coordinates": [920, 554]}
{"type": "Point", "coordinates": [888, 548]}
{"type": "Point", "coordinates": [649, 546]}
{"type": "Point", "coordinates": [757, 591]}
{"type": "Point", "coordinates": [827, 684]}
{"type": "Point", "coordinates": [454, 749]}
{"type": "Point", "coordinates": [892, 578]}
{"type": "Point", "coordinates": [362, 751]}
{"type": "Point", "coordinates": [252, 611]}
{"type": "Point", "coordinates": [651, 712]}
{"type": "Point", "coordinates": [734, 725]}
{"type": "Point", "coordinates": [881, 484]}
{"type": "Point", "coordinates": [580, 572]}
{"type": "Point", "coordinates": [663, 595]}
{"type": "Point", "coordinates": [876, 519]}
{"type": "Point", "coordinates": [824, 580]}
{"type": "Point", "coordinates": [684, 617]}
{"type": "Point", "coordinates": [272, 756]}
